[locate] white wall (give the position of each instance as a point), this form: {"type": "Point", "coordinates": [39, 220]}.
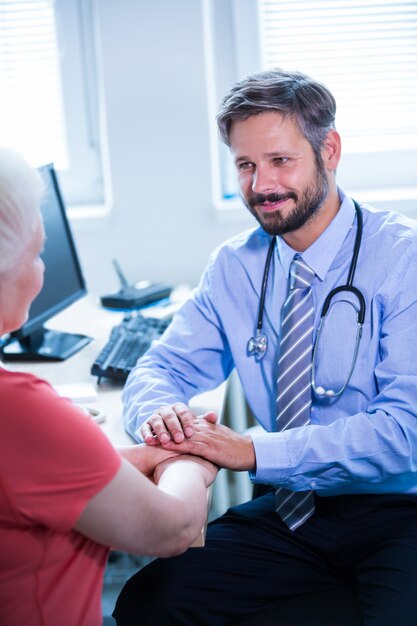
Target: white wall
{"type": "Point", "coordinates": [163, 224]}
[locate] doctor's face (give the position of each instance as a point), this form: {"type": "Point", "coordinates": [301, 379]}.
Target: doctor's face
{"type": "Point", "coordinates": [281, 182]}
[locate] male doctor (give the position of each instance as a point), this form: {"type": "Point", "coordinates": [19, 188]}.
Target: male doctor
{"type": "Point", "coordinates": [338, 447]}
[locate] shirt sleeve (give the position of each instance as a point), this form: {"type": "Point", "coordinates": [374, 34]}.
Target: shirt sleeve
{"type": "Point", "coordinates": [193, 356]}
{"type": "Point", "coordinates": [373, 450]}
{"type": "Point", "coordinates": [54, 458]}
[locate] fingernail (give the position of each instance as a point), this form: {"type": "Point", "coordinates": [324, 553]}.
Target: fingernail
{"type": "Point", "coordinates": [164, 438]}
{"type": "Point", "coordinates": [178, 437]}
{"type": "Point", "coordinates": [189, 431]}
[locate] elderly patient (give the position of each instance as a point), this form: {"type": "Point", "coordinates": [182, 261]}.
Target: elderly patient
{"type": "Point", "coordinates": [65, 493]}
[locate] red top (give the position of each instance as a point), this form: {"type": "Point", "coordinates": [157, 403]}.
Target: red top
{"type": "Point", "coordinates": [53, 459]}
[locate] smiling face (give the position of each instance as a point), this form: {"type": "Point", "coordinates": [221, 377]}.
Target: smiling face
{"type": "Point", "coordinates": [288, 190]}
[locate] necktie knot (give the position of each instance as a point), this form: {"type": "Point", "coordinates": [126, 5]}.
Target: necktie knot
{"type": "Point", "coordinates": [301, 275]}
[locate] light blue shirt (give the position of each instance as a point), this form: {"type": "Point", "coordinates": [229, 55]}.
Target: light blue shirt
{"type": "Point", "coordinates": [365, 441]}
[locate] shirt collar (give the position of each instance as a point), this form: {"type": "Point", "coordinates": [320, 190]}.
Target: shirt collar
{"type": "Point", "coordinates": [321, 254]}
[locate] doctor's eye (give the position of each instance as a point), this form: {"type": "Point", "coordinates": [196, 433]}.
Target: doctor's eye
{"type": "Point", "coordinates": [244, 165]}
{"type": "Point", "coordinates": [282, 160]}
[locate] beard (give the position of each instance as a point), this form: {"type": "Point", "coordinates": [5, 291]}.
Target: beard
{"type": "Point", "coordinates": [307, 204]}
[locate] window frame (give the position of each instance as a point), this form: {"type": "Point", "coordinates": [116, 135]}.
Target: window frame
{"type": "Point", "coordinates": [74, 21]}
{"type": "Point", "coordinates": [84, 183]}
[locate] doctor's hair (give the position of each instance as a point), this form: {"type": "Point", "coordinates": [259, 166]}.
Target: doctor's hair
{"type": "Point", "coordinates": [293, 94]}
{"type": "Point", "coordinates": [20, 194]}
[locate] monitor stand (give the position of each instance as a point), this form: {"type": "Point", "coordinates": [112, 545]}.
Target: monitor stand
{"type": "Point", "coordinates": [44, 345]}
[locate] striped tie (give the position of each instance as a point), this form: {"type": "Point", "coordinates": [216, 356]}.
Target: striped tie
{"type": "Point", "coordinates": [294, 380]}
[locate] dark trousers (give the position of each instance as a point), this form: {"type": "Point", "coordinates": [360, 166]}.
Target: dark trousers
{"type": "Point", "coordinates": [251, 560]}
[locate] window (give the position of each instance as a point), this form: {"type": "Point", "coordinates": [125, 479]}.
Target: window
{"type": "Point", "coordinates": [49, 108]}
{"type": "Point", "coordinates": [365, 51]}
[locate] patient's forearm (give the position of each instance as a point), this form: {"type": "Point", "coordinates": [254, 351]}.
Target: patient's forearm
{"type": "Point", "coordinates": [187, 480]}
{"type": "Point", "coordinates": [132, 514]}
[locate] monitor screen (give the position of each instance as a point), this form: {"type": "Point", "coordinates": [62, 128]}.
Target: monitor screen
{"type": "Point", "coordinates": [63, 284]}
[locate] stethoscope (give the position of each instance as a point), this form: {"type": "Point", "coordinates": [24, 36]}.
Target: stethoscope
{"type": "Point", "coordinates": [258, 344]}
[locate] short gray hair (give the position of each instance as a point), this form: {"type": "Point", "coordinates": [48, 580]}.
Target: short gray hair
{"type": "Point", "coordinates": [20, 194]}
{"type": "Point", "coordinates": [293, 94]}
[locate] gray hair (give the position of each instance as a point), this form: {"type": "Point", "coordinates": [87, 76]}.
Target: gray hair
{"type": "Point", "coordinates": [20, 194]}
{"type": "Point", "coordinates": [294, 94]}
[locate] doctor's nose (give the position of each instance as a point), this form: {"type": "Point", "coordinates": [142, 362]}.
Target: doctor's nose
{"type": "Point", "coordinates": [264, 181]}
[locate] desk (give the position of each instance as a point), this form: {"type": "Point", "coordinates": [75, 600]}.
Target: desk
{"type": "Point", "coordinates": [87, 317]}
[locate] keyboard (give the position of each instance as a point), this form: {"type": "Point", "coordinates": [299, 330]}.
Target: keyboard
{"type": "Point", "coordinates": [128, 341]}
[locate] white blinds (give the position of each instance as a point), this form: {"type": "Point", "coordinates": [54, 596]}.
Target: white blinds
{"type": "Point", "coordinates": [365, 51]}
{"type": "Point", "coordinates": [31, 104]}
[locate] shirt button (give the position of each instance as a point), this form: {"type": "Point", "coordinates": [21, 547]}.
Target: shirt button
{"type": "Point", "coordinates": [313, 484]}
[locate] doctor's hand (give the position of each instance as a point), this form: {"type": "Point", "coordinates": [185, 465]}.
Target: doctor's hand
{"type": "Point", "coordinates": [171, 423]}
{"type": "Point", "coordinates": [217, 443]}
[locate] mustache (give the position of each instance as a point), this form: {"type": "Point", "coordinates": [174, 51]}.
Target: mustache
{"type": "Point", "coordinates": [261, 198]}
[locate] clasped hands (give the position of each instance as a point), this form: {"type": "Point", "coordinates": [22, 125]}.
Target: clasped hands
{"type": "Point", "coordinates": [178, 430]}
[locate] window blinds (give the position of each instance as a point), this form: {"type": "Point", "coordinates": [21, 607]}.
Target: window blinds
{"type": "Point", "coordinates": [365, 51]}
{"type": "Point", "coordinates": [31, 104]}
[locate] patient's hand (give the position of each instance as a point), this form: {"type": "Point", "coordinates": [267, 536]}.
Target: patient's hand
{"type": "Point", "coordinates": [145, 458]}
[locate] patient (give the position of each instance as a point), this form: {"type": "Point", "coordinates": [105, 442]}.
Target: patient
{"type": "Point", "coordinates": [65, 493]}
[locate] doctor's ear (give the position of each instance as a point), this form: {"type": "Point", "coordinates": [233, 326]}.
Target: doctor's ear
{"type": "Point", "coordinates": [331, 150]}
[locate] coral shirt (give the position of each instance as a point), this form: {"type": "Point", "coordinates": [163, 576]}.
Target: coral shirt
{"type": "Point", "coordinates": [52, 461]}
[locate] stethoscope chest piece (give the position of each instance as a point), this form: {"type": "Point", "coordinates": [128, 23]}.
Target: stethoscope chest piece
{"type": "Point", "coordinates": [258, 345]}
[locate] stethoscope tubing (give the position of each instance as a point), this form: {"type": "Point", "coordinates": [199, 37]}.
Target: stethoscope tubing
{"type": "Point", "coordinates": [265, 283]}
{"type": "Point", "coordinates": [258, 344]}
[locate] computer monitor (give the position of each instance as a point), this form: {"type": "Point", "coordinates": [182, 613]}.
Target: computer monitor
{"type": "Point", "coordinates": [63, 284]}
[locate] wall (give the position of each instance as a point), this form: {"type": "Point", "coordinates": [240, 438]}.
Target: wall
{"type": "Point", "coordinates": [163, 225]}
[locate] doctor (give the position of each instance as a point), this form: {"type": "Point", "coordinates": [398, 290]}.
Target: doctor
{"type": "Point", "coordinates": [340, 438]}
